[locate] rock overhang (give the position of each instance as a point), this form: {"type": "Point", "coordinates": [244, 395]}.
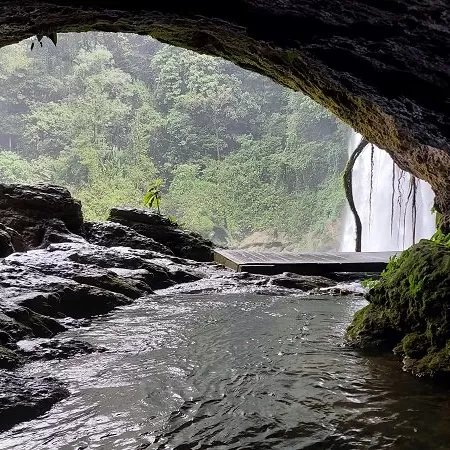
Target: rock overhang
{"type": "Point", "coordinates": [383, 67]}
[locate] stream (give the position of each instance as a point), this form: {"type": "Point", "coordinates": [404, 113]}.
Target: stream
{"type": "Point", "coordinates": [232, 371]}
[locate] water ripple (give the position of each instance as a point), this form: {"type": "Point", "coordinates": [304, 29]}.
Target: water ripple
{"type": "Point", "coordinates": [234, 371]}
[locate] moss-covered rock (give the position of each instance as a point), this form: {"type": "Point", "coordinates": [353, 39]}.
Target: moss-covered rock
{"type": "Point", "coordinates": [409, 310]}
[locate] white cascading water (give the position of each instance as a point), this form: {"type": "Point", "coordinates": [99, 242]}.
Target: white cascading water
{"type": "Point", "coordinates": [386, 212]}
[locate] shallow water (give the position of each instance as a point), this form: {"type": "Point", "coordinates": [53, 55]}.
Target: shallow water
{"type": "Point", "coordinates": [234, 371]}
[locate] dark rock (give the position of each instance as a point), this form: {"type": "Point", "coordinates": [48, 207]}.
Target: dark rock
{"type": "Point", "coordinates": [9, 359]}
{"type": "Point", "coordinates": [77, 301]}
{"type": "Point", "coordinates": [10, 241]}
{"type": "Point", "coordinates": [56, 349]}
{"type": "Point", "coordinates": [12, 330]}
{"type": "Point", "coordinates": [57, 232]}
{"type": "Point", "coordinates": [223, 281]}
{"type": "Point", "coordinates": [338, 291]}
{"type": "Point", "coordinates": [148, 223]}
{"type": "Point", "coordinates": [52, 295]}
{"type": "Point", "coordinates": [302, 282]}
{"type": "Point", "coordinates": [25, 322]}
{"type": "Point", "coordinates": [6, 246]}
{"type": "Point", "coordinates": [408, 311]}
{"type": "Point", "coordinates": [58, 263]}
{"type": "Point", "coordinates": [111, 234]}
{"type": "Point", "coordinates": [5, 337]}
{"type": "Point", "coordinates": [25, 398]}
{"type": "Point", "coordinates": [30, 210]}
{"type": "Point", "coordinates": [118, 258]}
{"type": "Point", "coordinates": [135, 275]}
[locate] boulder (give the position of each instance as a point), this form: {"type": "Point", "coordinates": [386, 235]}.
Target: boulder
{"type": "Point", "coordinates": [33, 301]}
{"type": "Point", "coordinates": [111, 234]}
{"type": "Point", "coordinates": [10, 241]}
{"type": "Point", "coordinates": [408, 311]}
{"type": "Point", "coordinates": [56, 349]}
{"type": "Point", "coordinates": [30, 210]}
{"type": "Point", "coordinates": [6, 246]}
{"type": "Point", "coordinates": [156, 277]}
{"type": "Point", "coordinates": [58, 263]}
{"type": "Point", "coordinates": [24, 398]}
{"type": "Point", "coordinates": [9, 359]}
{"type": "Point", "coordinates": [56, 232]}
{"type": "Point", "coordinates": [151, 224]}
{"type": "Point", "coordinates": [20, 322]}
{"type": "Point", "coordinates": [303, 282]}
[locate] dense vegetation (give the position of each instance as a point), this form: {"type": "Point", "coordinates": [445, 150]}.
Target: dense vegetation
{"type": "Point", "coordinates": [105, 114]}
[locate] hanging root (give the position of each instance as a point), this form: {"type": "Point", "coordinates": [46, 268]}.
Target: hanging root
{"type": "Point", "coordinates": [414, 207]}
{"type": "Point", "coordinates": [372, 154]}
{"type": "Point", "coordinates": [400, 179]}
{"type": "Point", "coordinates": [410, 193]}
{"type": "Point", "coordinates": [348, 186]}
{"type": "Point", "coordinates": [393, 196]}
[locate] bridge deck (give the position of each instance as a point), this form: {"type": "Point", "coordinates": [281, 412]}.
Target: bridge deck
{"type": "Point", "coordinates": [270, 263]}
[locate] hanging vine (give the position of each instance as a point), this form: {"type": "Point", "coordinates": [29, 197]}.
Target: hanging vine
{"type": "Point", "coordinates": [372, 154]}
{"type": "Point", "coordinates": [400, 179]}
{"type": "Point", "coordinates": [392, 197]}
{"type": "Point", "coordinates": [348, 186]}
{"type": "Point", "coordinates": [414, 207]}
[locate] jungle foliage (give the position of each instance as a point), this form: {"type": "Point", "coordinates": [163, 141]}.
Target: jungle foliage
{"type": "Point", "coordinates": [105, 114]}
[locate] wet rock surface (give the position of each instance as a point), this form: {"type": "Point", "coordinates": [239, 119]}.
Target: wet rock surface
{"type": "Point", "coordinates": [111, 234]}
{"type": "Point", "coordinates": [68, 272]}
{"type": "Point", "coordinates": [302, 282]}
{"type": "Point", "coordinates": [31, 210]}
{"type": "Point", "coordinates": [59, 262]}
{"type": "Point", "coordinates": [225, 282]}
{"type": "Point", "coordinates": [152, 225]}
{"type": "Point", "coordinates": [9, 359]}
{"type": "Point", "coordinates": [6, 245]}
{"type": "Point", "coordinates": [23, 398]}
{"type": "Point", "coordinates": [55, 348]}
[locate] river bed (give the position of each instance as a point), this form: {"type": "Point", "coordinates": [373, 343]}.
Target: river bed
{"type": "Point", "coordinates": [232, 371]}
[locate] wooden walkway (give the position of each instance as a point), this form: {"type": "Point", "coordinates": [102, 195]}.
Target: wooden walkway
{"type": "Point", "coordinates": [271, 263]}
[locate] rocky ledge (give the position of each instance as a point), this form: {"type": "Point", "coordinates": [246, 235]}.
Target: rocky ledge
{"type": "Point", "coordinates": [58, 272]}
{"type": "Point", "coordinates": [409, 311]}
{"type": "Point", "coordinates": [163, 230]}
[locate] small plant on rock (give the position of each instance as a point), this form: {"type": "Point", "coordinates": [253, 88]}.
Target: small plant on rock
{"type": "Point", "coordinates": [152, 199]}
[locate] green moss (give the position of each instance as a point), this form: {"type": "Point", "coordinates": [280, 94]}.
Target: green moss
{"type": "Point", "coordinates": [413, 345]}
{"type": "Point", "coordinates": [408, 309]}
{"type": "Point", "coordinates": [434, 364]}
{"type": "Point", "coordinates": [372, 329]}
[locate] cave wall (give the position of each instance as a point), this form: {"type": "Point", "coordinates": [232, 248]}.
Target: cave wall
{"type": "Point", "coordinates": [382, 66]}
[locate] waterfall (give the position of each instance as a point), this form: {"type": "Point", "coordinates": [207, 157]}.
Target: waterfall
{"type": "Point", "coordinates": [384, 198]}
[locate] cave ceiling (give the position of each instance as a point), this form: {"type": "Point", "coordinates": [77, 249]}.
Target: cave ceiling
{"type": "Point", "coordinates": [382, 66]}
